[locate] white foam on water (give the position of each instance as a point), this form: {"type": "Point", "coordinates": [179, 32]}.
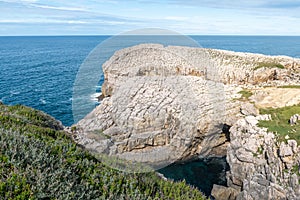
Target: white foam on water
{"type": "Point", "coordinates": [14, 92]}
{"type": "Point", "coordinates": [43, 101]}
{"type": "Point", "coordinates": [94, 97]}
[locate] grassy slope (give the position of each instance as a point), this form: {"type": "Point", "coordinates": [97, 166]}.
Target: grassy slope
{"type": "Point", "coordinates": [279, 123]}
{"type": "Point", "coordinates": [37, 161]}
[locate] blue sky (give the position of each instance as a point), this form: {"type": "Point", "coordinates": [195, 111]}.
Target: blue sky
{"type": "Point", "coordinates": [105, 17]}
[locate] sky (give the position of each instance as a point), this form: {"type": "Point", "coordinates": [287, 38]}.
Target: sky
{"type": "Point", "coordinates": [110, 17]}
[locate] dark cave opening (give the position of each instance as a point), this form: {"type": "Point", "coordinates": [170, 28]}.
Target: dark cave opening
{"type": "Point", "coordinates": [200, 173]}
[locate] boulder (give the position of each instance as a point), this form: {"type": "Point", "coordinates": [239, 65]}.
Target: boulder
{"type": "Point", "coordinates": [294, 118]}
{"type": "Point", "coordinates": [249, 109]}
{"type": "Point", "coordinates": [223, 193]}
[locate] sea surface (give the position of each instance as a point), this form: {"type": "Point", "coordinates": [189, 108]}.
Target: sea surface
{"type": "Point", "coordinates": [40, 72]}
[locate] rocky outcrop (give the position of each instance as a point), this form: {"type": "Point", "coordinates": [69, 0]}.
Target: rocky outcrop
{"type": "Point", "coordinates": [159, 107]}
{"type": "Point", "coordinates": [249, 68]}
{"type": "Point", "coordinates": [224, 193]}
{"type": "Point", "coordinates": [165, 104]}
{"type": "Point", "coordinates": [260, 167]}
{"type": "Point", "coordinates": [293, 120]}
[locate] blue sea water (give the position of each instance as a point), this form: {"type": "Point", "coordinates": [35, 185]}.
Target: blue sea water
{"type": "Point", "coordinates": [40, 71]}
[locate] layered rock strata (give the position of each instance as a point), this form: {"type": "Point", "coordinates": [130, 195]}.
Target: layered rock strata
{"type": "Point", "coordinates": [260, 167]}
{"type": "Point", "coordinates": [165, 104]}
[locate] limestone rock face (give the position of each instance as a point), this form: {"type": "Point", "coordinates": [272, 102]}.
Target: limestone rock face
{"type": "Point", "coordinates": [249, 68]}
{"type": "Point", "coordinates": [165, 104]}
{"type": "Point", "coordinates": [224, 193]}
{"type": "Point", "coordinates": [259, 166]}
{"type": "Point", "coordinates": [159, 107]}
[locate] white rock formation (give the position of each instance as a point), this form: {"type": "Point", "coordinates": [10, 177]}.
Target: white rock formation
{"type": "Point", "coordinates": [165, 104]}
{"type": "Point", "coordinates": [159, 107]}
{"type": "Point", "coordinates": [259, 166]}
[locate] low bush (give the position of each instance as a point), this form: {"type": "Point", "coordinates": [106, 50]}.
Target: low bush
{"type": "Point", "coordinates": [269, 65]}
{"type": "Point", "coordinates": [38, 161]}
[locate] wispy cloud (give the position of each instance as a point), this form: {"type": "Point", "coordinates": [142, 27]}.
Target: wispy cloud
{"type": "Point", "coordinates": [40, 21]}
{"type": "Point", "coordinates": [19, 1]}
{"type": "Point", "coordinates": [58, 7]}
{"type": "Point", "coordinates": [232, 3]}
{"type": "Point", "coordinates": [114, 16]}
{"type": "Point", "coordinates": [176, 18]}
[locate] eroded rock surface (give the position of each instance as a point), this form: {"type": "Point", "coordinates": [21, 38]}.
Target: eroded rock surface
{"type": "Point", "coordinates": [260, 167]}
{"type": "Point", "coordinates": [159, 107]}
{"type": "Point", "coordinates": [165, 104]}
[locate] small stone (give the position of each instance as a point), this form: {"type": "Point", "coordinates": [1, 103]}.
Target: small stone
{"type": "Point", "coordinates": [265, 117]}
{"type": "Point", "coordinates": [294, 118]}
{"type": "Point", "coordinates": [293, 144]}
{"type": "Point", "coordinates": [285, 150]}
{"type": "Point", "coordinates": [251, 120]}
{"type": "Point", "coordinates": [287, 137]}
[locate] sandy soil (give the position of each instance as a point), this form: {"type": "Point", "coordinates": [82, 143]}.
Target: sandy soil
{"type": "Point", "coordinates": [275, 97]}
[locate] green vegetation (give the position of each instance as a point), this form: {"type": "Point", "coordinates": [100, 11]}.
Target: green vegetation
{"type": "Point", "coordinates": [255, 155]}
{"type": "Point", "coordinates": [269, 65]}
{"type": "Point", "coordinates": [245, 94]}
{"type": "Point", "coordinates": [295, 170]}
{"type": "Point", "coordinates": [259, 151]}
{"type": "Point", "coordinates": [39, 161]}
{"type": "Point", "coordinates": [279, 123]}
{"type": "Point", "coordinates": [290, 86]}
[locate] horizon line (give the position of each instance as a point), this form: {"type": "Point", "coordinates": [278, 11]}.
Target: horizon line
{"type": "Point", "coordinates": [109, 35]}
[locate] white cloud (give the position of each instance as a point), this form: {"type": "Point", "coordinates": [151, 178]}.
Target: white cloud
{"type": "Point", "coordinates": [189, 17]}
{"type": "Point", "coordinates": [20, 1]}
{"type": "Point", "coordinates": [58, 7]}
{"type": "Point", "coordinates": [39, 21]}
{"type": "Point", "coordinates": [176, 18]}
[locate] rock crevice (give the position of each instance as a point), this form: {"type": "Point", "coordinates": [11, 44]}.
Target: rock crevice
{"type": "Point", "coordinates": [165, 104]}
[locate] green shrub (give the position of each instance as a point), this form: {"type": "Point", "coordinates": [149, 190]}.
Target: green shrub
{"type": "Point", "coordinates": [39, 162]}
{"type": "Point", "coordinates": [269, 65]}
{"type": "Point", "coordinates": [245, 94]}
{"type": "Point", "coordinates": [290, 86]}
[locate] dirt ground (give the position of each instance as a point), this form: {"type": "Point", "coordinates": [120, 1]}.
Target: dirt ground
{"type": "Point", "coordinates": [275, 97]}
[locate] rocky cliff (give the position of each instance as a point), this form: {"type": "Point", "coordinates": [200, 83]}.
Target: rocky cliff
{"type": "Point", "coordinates": [165, 104]}
{"type": "Point", "coordinates": [261, 167]}
{"type": "Point", "coordinates": [157, 102]}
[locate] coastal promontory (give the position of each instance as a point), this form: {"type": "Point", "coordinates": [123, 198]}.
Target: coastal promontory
{"type": "Point", "coordinates": [161, 105]}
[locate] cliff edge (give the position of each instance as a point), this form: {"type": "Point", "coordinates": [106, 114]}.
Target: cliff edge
{"type": "Point", "coordinates": [165, 104]}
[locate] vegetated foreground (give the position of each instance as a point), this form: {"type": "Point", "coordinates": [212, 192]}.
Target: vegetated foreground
{"type": "Point", "coordinates": [40, 161]}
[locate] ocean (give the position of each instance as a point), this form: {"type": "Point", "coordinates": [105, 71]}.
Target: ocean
{"type": "Point", "coordinates": [39, 71]}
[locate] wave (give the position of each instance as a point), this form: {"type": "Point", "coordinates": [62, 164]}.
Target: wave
{"type": "Point", "coordinates": [94, 97]}
{"type": "Point", "coordinates": [13, 93]}
{"type": "Point", "coordinates": [43, 101]}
